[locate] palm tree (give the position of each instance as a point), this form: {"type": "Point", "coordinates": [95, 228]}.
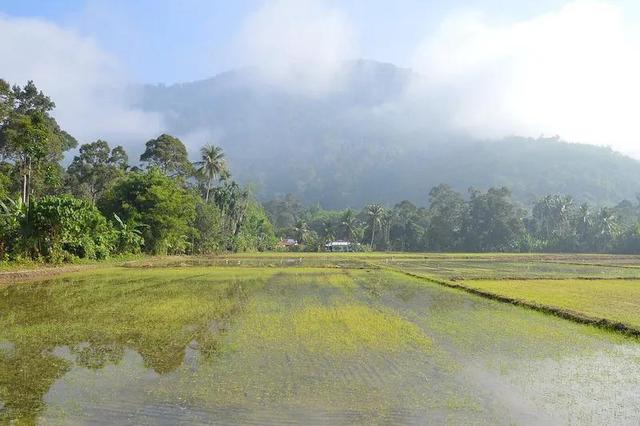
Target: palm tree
{"type": "Point", "coordinates": [386, 220]}
{"type": "Point", "coordinates": [607, 223]}
{"type": "Point", "coordinates": [349, 224]}
{"type": "Point", "coordinates": [232, 200]}
{"type": "Point", "coordinates": [328, 230]}
{"type": "Point", "coordinates": [584, 224]}
{"type": "Point", "coordinates": [212, 165]}
{"type": "Point", "coordinates": [301, 230]}
{"type": "Point", "coordinates": [553, 214]}
{"type": "Point", "coordinates": [375, 212]}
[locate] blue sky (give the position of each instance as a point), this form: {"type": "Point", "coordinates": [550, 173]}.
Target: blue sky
{"type": "Point", "coordinates": [496, 67]}
{"type": "Point", "coordinates": [172, 41]}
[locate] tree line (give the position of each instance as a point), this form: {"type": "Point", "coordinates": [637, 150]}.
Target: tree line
{"type": "Point", "coordinates": [483, 221]}
{"type": "Point", "coordinates": [100, 205]}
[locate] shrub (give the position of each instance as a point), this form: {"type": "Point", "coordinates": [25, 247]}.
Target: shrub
{"type": "Point", "coordinates": [207, 234]}
{"type": "Point", "coordinates": [128, 236]}
{"type": "Point", "coordinates": [164, 208]}
{"type": "Point", "coordinates": [12, 216]}
{"type": "Point", "coordinates": [256, 232]}
{"type": "Point", "coordinates": [63, 227]}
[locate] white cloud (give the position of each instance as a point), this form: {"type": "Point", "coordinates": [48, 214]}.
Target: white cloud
{"type": "Point", "coordinates": [89, 87]}
{"type": "Point", "coordinates": [298, 44]}
{"type": "Point", "coordinates": [198, 137]}
{"type": "Point", "coordinates": [573, 72]}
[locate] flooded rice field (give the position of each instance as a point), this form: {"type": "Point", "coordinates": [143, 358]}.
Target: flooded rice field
{"type": "Point", "coordinates": [269, 344]}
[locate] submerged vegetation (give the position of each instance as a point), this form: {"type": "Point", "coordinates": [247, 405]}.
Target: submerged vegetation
{"type": "Point", "coordinates": [100, 314]}
{"type": "Point", "coordinates": [339, 329]}
{"type": "Point", "coordinates": [348, 338]}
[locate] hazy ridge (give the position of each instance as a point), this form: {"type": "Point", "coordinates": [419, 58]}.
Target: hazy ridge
{"type": "Point", "coordinates": [361, 142]}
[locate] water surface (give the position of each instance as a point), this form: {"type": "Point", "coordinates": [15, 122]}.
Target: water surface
{"type": "Point", "coordinates": [274, 345]}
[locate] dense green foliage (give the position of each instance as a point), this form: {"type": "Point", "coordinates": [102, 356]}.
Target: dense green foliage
{"type": "Point", "coordinates": [68, 226]}
{"type": "Point", "coordinates": [100, 206]}
{"type": "Point", "coordinates": [55, 228]}
{"type": "Point", "coordinates": [169, 154]}
{"type": "Point", "coordinates": [95, 168]}
{"type": "Point", "coordinates": [31, 142]}
{"type": "Point", "coordinates": [157, 201]}
{"type": "Point", "coordinates": [255, 230]}
{"type": "Point", "coordinates": [482, 222]}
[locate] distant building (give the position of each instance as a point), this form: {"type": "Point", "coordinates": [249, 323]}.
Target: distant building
{"type": "Point", "coordinates": [341, 246]}
{"type": "Point", "coordinates": [287, 243]}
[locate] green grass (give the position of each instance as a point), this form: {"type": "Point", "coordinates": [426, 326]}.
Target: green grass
{"type": "Point", "coordinates": [29, 264]}
{"type": "Point", "coordinates": [317, 338]}
{"type": "Point", "coordinates": [339, 329]}
{"type": "Point", "coordinates": [614, 300]}
{"type": "Point", "coordinates": [504, 268]}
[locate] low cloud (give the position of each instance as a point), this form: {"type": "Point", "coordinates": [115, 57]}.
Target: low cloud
{"type": "Point", "coordinates": [573, 72]}
{"type": "Point", "coordinates": [91, 90]}
{"type": "Point", "coordinates": [299, 45]}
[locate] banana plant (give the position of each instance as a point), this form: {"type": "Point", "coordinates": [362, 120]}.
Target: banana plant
{"type": "Point", "coordinates": [129, 235]}
{"type": "Point", "coordinates": [13, 215]}
{"type": "Point", "coordinates": [13, 211]}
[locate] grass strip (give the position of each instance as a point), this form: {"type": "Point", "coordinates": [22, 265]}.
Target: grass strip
{"type": "Point", "coordinates": [574, 316]}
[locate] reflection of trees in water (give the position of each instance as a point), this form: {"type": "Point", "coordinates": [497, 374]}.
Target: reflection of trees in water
{"type": "Point", "coordinates": [38, 318]}
{"type": "Point", "coordinates": [25, 377]}
{"type": "Point", "coordinates": [97, 355]}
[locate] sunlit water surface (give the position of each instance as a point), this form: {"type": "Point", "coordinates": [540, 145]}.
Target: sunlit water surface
{"type": "Point", "coordinates": [307, 346]}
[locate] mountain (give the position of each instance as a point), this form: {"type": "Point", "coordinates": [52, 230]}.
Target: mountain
{"type": "Point", "coordinates": [358, 143]}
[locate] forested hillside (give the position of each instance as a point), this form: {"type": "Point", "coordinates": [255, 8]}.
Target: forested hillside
{"type": "Point", "coordinates": [358, 143]}
{"type": "Point", "coordinates": [102, 205]}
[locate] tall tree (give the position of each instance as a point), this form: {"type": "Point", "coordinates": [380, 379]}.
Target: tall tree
{"type": "Point", "coordinates": [605, 229]}
{"type": "Point", "coordinates": [95, 168]}
{"type": "Point", "coordinates": [6, 102]}
{"type": "Point", "coordinates": [375, 213]}
{"type": "Point", "coordinates": [301, 230]}
{"type": "Point", "coordinates": [553, 220]}
{"type": "Point", "coordinates": [447, 213]}
{"type": "Point", "coordinates": [119, 158]}
{"type": "Point", "coordinates": [211, 166]}
{"type": "Point", "coordinates": [328, 230]}
{"type": "Point", "coordinates": [349, 224]}
{"type": "Point", "coordinates": [169, 154]}
{"type": "Point", "coordinates": [583, 226]}
{"type": "Point", "coordinates": [232, 201]}
{"type": "Point", "coordinates": [30, 139]}
{"type": "Point", "coordinates": [284, 212]}
{"type": "Point", "coordinates": [494, 223]}
{"type": "Point", "coordinates": [408, 226]}
{"type": "Point", "coordinates": [162, 207]}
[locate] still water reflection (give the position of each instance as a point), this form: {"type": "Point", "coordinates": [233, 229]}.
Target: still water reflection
{"type": "Point", "coordinates": [253, 346]}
